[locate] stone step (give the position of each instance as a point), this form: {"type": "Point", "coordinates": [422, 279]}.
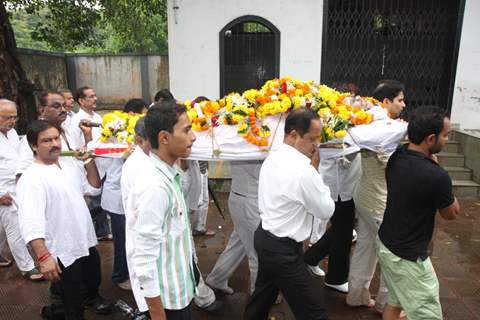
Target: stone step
{"type": "Point", "coordinates": [448, 159]}
{"type": "Point", "coordinates": [465, 188]}
{"type": "Point", "coordinates": [459, 173]}
{"type": "Point", "coordinates": [451, 146]}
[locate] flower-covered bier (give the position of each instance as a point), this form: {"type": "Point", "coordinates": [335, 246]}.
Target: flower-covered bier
{"type": "Point", "coordinates": [119, 127]}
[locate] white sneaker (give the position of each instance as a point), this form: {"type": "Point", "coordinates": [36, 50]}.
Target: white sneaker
{"type": "Point", "coordinates": [343, 288]}
{"type": "Point", "coordinates": [354, 236]}
{"type": "Point", "coordinates": [126, 285]}
{"type": "Point", "coordinates": [316, 270]}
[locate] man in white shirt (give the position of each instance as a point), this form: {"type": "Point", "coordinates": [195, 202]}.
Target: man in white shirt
{"type": "Point", "coordinates": [87, 101]}
{"type": "Point", "coordinates": [341, 176]}
{"type": "Point", "coordinates": [163, 246]}
{"type": "Point", "coordinates": [68, 97]}
{"type": "Point", "coordinates": [9, 144]}
{"type": "Point", "coordinates": [55, 222]}
{"type": "Point", "coordinates": [243, 207]}
{"type": "Point", "coordinates": [291, 193]}
{"type": "Point", "coordinates": [51, 109]}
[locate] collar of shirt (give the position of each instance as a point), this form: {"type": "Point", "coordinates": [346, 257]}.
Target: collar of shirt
{"type": "Point", "coordinates": [294, 153]}
{"type": "Point", "coordinates": [405, 149]}
{"type": "Point", "coordinates": [171, 172]}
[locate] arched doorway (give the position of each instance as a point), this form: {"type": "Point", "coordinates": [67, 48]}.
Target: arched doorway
{"type": "Point", "coordinates": [249, 54]}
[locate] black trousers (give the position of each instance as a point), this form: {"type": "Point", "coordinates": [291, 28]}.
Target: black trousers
{"type": "Point", "coordinates": [335, 243]}
{"type": "Point", "coordinates": [83, 275]}
{"type": "Point", "coordinates": [183, 314]}
{"type": "Point", "coordinates": [281, 268]}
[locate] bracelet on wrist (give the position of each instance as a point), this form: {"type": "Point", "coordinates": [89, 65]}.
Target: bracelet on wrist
{"type": "Point", "coordinates": [44, 256]}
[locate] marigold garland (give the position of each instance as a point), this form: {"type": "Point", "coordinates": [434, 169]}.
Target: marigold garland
{"type": "Point", "coordinates": [337, 110]}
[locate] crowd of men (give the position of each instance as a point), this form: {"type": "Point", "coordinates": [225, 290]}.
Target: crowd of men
{"type": "Point", "coordinates": [154, 202]}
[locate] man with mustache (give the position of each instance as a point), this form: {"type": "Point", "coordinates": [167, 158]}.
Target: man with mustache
{"type": "Point", "coordinates": [51, 109]}
{"type": "Point", "coordinates": [9, 144]}
{"type": "Point", "coordinates": [55, 221]}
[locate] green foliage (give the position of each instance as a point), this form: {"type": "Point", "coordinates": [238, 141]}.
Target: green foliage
{"type": "Point", "coordinates": [91, 26]}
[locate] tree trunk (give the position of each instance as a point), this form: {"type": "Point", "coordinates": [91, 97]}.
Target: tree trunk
{"type": "Point", "coordinates": [14, 84]}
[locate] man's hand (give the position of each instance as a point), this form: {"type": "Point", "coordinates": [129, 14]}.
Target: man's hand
{"type": "Point", "coordinates": [50, 269]}
{"type": "Point", "coordinates": [86, 129]}
{"type": "Point", "coordinates": [6, 200]}
{"type": "Point", "coordinates": [315, 160]}
{"type": "Point", "coordinates": [82, 154]}
{"type": "Point", "coordinates": [434, 158]}
{"type": "Point", "coordinates": [155, 308]}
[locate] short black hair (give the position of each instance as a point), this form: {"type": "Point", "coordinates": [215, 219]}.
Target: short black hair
{"type": "Point", "coordinates": [300, 120]}
{"type": "Point", "coordinates": [34, 129]}
{"type": "Point", "coordinates": [80, 93]}
{"type": "Point", "coordinates": [162, 117]}
{"type": "Point", "coordinates": [43, 97]}
{"type": "Point", "coordinates": [163, 94]}
{"type": "Point", "coordinates": [200, 99]}
{"type": "Point", "coordinates": [424, 121]}
{"type": "Point", "coordinates": [135, 106]}
{"type": "Point", "coordinates": [388, 89]}
{"type": "Point", "coordinates": [140, 128]}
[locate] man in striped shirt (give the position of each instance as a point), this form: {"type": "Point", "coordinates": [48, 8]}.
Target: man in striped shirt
{"type": "Point", "coordinates": [163, 248]}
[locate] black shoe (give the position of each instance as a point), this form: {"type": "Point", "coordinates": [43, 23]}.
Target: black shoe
{"type": "Point", "coordinates": [100, 305]}
{"type": "Point", "coordinates": [141, 316]}
{"type": "Point", "coordinates": [214, 307]}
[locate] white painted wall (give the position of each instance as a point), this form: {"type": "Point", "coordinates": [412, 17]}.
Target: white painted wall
{"type": "Point", "coordinates": [466, 97]}
{"type": "Point", "coordinates": [193, 40]}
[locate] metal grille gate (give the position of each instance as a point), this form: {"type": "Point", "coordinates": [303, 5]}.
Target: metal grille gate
{"type": "Point", "coordinates": [412, 41]}
{"type": "Point", "coordinates": [249, 54]}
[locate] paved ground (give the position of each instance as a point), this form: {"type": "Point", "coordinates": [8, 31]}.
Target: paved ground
{"type": "Point", "coordinates": [456, 257]}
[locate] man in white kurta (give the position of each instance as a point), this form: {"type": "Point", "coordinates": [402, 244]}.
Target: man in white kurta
{"type": "Point", "coordinates": [55, 221]}
{"type": "Point", "coordinates": [87, 101]}
{"type": "Point", "coordinates": [9, 144]}
{"type": "Point", "coordinates": [370, 198]}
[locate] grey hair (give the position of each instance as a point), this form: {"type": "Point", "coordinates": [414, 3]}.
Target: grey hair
{"type": "Point", "coordinates": [6, 102]}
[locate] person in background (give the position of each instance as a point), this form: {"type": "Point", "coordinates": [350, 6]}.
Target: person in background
{"type": "Point", "coordinates": [162, 95]}
{"type": "Point", "coordinates": [9, 145]}
{"type": "Point", "coordinates": [69, 100]}
{"type": "Point", "coordinates": [86, 99]}
{"type": "Point", "coordinates": [243, 207]}
{"type": "Point", "coordinates": [111, 203]}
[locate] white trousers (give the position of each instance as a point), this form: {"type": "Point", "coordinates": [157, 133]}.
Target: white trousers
{"type": "Point", "coordinates": [364, 261]}
{"type": "Point", "coordinates": [9, 222]}
{"type": "Point", "coordinates": [246, 218]}
{"type": "Point", "coordinates": [199, 215]}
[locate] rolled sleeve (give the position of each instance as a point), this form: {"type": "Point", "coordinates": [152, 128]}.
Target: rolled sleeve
{"type": "Point", "coordinates": [316, 195]}
{"type": "Point", "coordinates": [152, 209]}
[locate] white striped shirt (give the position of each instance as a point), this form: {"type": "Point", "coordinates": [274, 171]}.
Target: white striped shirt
{"type": "Point", "coordinates": [163, 248]}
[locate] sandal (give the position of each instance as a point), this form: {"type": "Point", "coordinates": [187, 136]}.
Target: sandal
{"type": "Point", "coordinates": [33, 275]}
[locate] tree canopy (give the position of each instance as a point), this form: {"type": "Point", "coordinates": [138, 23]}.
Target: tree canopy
{"type": "Point", "coordinates": [91, 25]}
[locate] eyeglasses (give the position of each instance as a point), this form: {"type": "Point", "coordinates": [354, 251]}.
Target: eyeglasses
{"type": "Point", "coordinates": [9, 118]}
